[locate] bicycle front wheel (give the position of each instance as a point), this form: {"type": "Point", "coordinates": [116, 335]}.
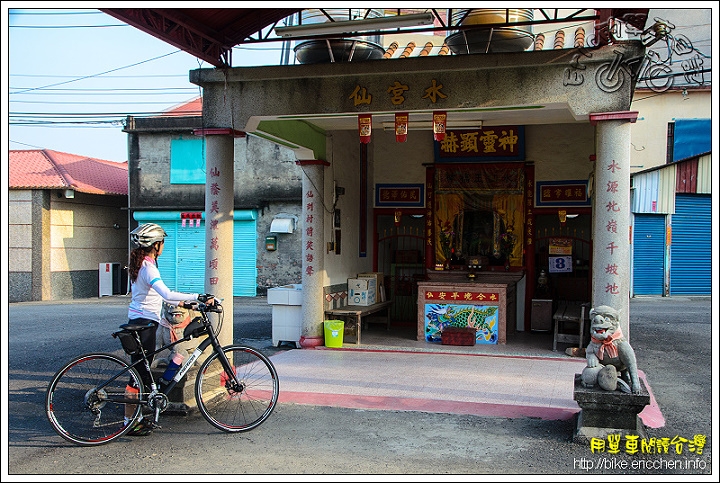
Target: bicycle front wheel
{"type": "Point", "coordinates": [86, 409]}
{"type": "Point", "coordinates": [242, 402]}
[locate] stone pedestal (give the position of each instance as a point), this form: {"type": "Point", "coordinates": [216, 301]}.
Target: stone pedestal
{"type": "Point", "coordinates": [608, 412]}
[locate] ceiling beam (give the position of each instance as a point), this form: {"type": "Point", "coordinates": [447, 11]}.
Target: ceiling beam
{"type": "Point", "coordinates": [177, 30]}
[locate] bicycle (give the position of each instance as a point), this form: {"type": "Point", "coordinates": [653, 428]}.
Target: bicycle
{"type": "Point", "coordinates": [236, 388]}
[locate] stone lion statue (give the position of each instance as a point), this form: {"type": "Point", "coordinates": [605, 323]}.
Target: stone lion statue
{"type": "Point", "coordinates": [610, 357]}
{"type": "Point", "coordinates": [172, 325]}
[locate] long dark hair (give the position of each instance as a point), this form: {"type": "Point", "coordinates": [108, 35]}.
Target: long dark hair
{"type": "Point", "coordinates": [137, 256]}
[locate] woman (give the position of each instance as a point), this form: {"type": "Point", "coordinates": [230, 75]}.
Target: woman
{"type": "Point", "coordinates": [148, 293]}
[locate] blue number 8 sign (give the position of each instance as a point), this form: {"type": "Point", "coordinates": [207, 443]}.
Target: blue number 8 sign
{"type": "Point", "coordinates": [560, 264]}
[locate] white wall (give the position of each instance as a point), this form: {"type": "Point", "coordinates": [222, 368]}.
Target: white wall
{"type": "Point", "coordinates": [649, 133]}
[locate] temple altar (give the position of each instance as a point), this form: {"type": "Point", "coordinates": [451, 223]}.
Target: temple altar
{"type": "Point", "coordinates": [450, 299]}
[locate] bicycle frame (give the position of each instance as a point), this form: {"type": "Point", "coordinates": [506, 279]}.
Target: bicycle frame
{"type": "Point", "coordinates": [211, 339]}
{"type": "Point", "coordinates": [88, 403]}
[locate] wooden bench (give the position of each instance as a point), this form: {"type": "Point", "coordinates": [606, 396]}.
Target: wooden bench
{"type": "Point", "coordinates": [355, 313]}
{"type": "Point", "coordinates": [569, 313]}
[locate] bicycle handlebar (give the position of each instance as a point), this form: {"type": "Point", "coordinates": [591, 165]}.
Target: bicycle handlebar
{"type": "Point", "coordinates": [202, 305]}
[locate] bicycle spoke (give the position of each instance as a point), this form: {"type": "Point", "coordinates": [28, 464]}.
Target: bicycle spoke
{"type": "Point", "coordinates": [82, 413]}
{"type": "Point", "coordinates": [241, 403]}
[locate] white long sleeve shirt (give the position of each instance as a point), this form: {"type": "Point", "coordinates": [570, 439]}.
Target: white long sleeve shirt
{"type": "Point", "coordinates": [149, 291]}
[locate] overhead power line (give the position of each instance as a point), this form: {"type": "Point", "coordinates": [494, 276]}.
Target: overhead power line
{"type": "Point", "coordinates": [93, 103]}
{"type": "Point", "coordinates": [104, 76]}
{"type": "Point", "coordinates": [54, 13]}
{"type": "Point", "coordinates": [101, 73]}
{"type": "Point", "coordinates": [110, 92]}
{"type": "Point", "coordinates": [65, 26]}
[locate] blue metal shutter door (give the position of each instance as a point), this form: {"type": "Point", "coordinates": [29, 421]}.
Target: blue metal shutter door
{"type": "Point", "coordinates": [191, 257]}
{"type": "Point", "coordinates": [244, 258]}
{"type": "Point", "coordinates": [648, 254]}
{"type": "Point", "coordinates": [167, 263]}
{"type": "Point", "coordinates": [691, 247]}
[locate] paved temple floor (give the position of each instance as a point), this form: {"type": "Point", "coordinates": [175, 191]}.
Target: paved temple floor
{"type": "Point", "coordinates": [391, 370]}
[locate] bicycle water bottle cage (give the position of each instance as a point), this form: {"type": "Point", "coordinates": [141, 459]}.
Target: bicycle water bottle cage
{"type": "Point", "coordinates": [195, 328]}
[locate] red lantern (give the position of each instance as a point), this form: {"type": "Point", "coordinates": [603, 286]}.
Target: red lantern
{"type": "Point", "coordinates": [401, 126]}
{"type": "Point", "coordinates": [365, 127]}
{"type": "Point", "coordinates": [439, 125]}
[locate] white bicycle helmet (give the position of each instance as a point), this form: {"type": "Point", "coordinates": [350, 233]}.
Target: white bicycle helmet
{"type": "Point", "coordinates": [147, 234]}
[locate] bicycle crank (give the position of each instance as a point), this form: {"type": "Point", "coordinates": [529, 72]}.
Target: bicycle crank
{"type": "Point", "coordinates": [158, 402]}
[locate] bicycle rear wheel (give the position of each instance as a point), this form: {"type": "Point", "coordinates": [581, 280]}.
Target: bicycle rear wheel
{"type": "Point", "coordinates": [237, 407]}
{"type": "Point", "coordinates": [85, 410]}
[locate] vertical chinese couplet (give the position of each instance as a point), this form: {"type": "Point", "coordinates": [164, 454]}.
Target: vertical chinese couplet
{"type": "Point", "coordinates": [309, 232]}
{"type": "Point", "coordinates": [612, 208]}
{"type": "Point", "coordinates": [214, 210]}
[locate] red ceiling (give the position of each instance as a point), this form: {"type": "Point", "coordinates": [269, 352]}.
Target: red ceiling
{"type": "Point", "coordinates": [207, 33]}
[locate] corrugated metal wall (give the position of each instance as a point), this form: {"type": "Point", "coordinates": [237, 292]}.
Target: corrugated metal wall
{"type": "Point", "coordinates": [690, 250]}
{"type": "Point", "coordinates": [687, 173]}
{"type": "Point", "coordinates": [654, 191]}
{"type": "Point", "coordinates": [682, 190]}
{"type": "Point", "coordinates": [704, 178]}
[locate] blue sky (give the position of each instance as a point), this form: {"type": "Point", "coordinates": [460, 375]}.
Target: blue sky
{"type": "Point", "coordinates": [75, 61]}
{"type": "Point", "coordinates": [84, 61]}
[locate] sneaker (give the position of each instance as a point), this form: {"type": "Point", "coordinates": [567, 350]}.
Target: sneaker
{"type": "Point", "coordinates": [142, 428]}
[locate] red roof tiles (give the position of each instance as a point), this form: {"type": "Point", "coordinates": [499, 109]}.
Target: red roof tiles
{"type": "Point", "coordinates": [47, 169]}
{"type": "Point", "coordinates": [192, 107]}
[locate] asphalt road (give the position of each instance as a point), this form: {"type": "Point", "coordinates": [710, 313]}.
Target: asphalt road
{"type": "Point", "coordinates": [672, 338]}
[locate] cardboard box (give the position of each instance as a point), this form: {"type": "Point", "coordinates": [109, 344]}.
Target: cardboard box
{"type": "Point", "coordinates": [361, 297]}
{"type": "Point", "coordinates": [362, 291]}
{"type": "Point", "coordinates": [379, 283]}
{"type": "Point", "coordinates": [368, 284]}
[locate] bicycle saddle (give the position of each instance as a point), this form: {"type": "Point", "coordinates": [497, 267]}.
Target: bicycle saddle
{"type": "Point", "coordinates": [136, 326]}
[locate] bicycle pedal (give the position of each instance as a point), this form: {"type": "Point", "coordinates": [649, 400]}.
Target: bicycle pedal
{"type": "Point", "coordinates": [153, 425]}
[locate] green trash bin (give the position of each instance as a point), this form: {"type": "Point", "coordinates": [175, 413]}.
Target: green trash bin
{"type": "Point", "coordinates": [334, 333]}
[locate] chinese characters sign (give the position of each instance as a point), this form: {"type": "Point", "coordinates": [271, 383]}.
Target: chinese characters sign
{"type": "Point", "coordinates": [396, 94]}
{"type": "Point", "coordinates": [442, 295]}
{"type": "Point", "coordinates": [492, 143]}
{"type": "Point", "coordinates": [399, 195]}
{"type": "Point", "coordinates": [491, 178]}
{"type": "Point", "coordinates": [562, 193]}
